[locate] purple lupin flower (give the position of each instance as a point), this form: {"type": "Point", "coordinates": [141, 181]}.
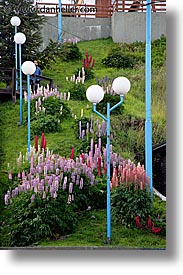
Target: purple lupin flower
{"type": "Point", "coordinates": [32, 198]}
{"type": "Point", "coordinates": [70, 187]}
{"type": "Point", "coordinates": [81, 184]}
{"type": "Point", "coordinates": [80, 127]}
{"type": "Point", "coordinates": [69, 199]}
{"type": "Point", "coordinates": [6, 199]}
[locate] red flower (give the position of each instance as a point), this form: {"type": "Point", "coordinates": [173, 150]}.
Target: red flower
{"type": "Point", "coordinates": [99, 166]}
{"type": "Point", "coordinates": [72, 153]}
{"type": "Point", "coordinates": [42, 140]}
{"type": "Point", "coordinates": [36, 143]}
{"type": "Point", "coordinates": [44, 144]}
{"type": "Point", "coordinates": [155, 230]}
{"type": "Point", "coordinates": [149, 223]}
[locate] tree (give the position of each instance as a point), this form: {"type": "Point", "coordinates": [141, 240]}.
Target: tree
{"type": "Point", "coordinates": [31, 23]}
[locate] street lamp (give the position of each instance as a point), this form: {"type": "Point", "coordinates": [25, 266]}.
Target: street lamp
{"type": "Point", "coordinates": [60, 21]}
{"type": "Point", "coordinates": [15, 21]}
{"type": "Point", "coordinates": [148, 122]}
{"type": "Point", "coordinates": [19, 39]}
{"type": "Point", "coordinates": [28, 68]}
{"type": "Point", "coordinates": [95, 93]}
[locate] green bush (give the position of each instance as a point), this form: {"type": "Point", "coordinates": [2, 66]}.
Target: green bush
{"type": "Point", "coordinates": [77, 92]}
{"type": "Point", "coordinates": [128, 203]}
{"type": "Point", "coordinates": [29, 222]}
{"type": "Point", "coordinates": [50, 120]}
{"type": "Point", "coordinates": [56, 107]}
{"type": "Point", "coordinates": [159, 214]}
{"type": "Point", "coordinates": [55, 50]}
{"type": "Point", "coordinates": [45, 123]}
{"type": "Point", "coordinates": [159, 52]}
{"type": "Point", "coordinates": [102, 106]}
{"type": "Point", "coordinates": [117, 59]}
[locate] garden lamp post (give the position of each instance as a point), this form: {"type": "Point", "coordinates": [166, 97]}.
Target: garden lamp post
{"type": "Point", "coordinates": [148, 122]}
{"type": "Point", "coordinates": [60, 21]}
{"type": "Point", "coordinates": [95, 93]}
{"type": "Point", "coordinates": [28, 68]}
{"type": "Point", "coordinates": [19, 39]}
{"type": "Point", "coordinates": [15, 21]}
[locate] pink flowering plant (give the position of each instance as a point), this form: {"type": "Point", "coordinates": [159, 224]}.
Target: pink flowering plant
{"type": "Point", "coordinates": [44, 201]}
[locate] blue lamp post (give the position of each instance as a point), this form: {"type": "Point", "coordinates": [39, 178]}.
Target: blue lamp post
{"type": "Point", "coordinates": [148, 122]}
{"type": "Point", "coordinates": [28, 68]}
{"type": "Point", "coordinates": [20, 39]}
{"type": "Point", "coordinates": [15, 21]}
{"type": "Point", "coordinates": [95, 93]}
{"type": "Point", "coordinates": [60, 21]}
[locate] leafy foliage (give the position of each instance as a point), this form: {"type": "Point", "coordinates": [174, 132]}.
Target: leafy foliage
{"type": "Point", "coordinates": [49, 121]}
{"type": "Point", "coordinates": [128, 202]}
{"type": "Point", "coordinates": [45, 123]}
{"type": "Point", "coordinates": [129, 55]}
{"type": "Point", "coordinates": [31, 24]}
{"type": "Point", "coordinates": [77, 91]}
{"type": "Point", "coordinates": [102, 106]}
{"type": "Point", "coordinates": [30, 222]}
{"type": "Point", "coordinates": [54, 50]}
{"type": "Point", "coordinates": [117, 59]}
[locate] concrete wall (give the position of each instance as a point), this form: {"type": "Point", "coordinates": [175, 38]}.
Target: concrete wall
{"type": "Point", "coordinates": [83, 28]}
{"type": "Point", "coordinates": [122, 27]}
{"type": "Point", "coordinates": [131, 27]}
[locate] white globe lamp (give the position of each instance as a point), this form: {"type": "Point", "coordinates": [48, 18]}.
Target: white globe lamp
{"type": "Point", "coordinates": [121, 85]}
{"type": "Point", "coordinates": [95, 93]}
{"type": "Point", "coordinates": [19, 38]}
{"type": "Point", "coordinates": [15, 21]}
{"type": "Point", "coordinates": [28, 67]}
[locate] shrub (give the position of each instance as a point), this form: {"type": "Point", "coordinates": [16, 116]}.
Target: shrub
{"type": "Point", "coordinates": [128, 203]}
{"type": "Point", "coordinates": [78, 92]}
{"type": "Point", "coordinates": [118, 60]}
{"type": "Point", "coordinates": [50, 120]}
{"type": "Point", "coordinates": [45, 123]}
{"type": "Point", "coordinates": [102, 106]}
{"type": "Point", "coordinates": [56, 107]}
{"type": "Point", "coordinates": [159, 214]}
{"type": "Point", "coordinates": [54, 50]}
{"type": "Point", "coordinates": [30, 222]}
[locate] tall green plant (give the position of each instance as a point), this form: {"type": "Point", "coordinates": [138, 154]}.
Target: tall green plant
{"type": "Point", "coordinates": [31, 24]}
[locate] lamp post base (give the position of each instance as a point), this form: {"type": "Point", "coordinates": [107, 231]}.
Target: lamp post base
{"type": "Point", "coordinates": [108, 241]}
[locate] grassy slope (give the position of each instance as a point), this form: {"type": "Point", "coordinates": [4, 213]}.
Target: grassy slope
{"type": "Point", "coordinates": [14, 138]}
{"type": "Point", "coordinates": [91, 232]}
{"type": "Point", "coordinates": [134, 103]}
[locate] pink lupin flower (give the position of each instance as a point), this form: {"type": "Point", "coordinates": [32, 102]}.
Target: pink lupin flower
{"type": "Point", "coordinates": [141, 185]}
{"type": "Point", "coordinates": [10, 175]}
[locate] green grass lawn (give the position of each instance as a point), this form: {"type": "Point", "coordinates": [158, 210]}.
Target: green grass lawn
{"type": "Point", "coordinates": [91, 232]}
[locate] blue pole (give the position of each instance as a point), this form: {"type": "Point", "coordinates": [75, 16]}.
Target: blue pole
{"type": "Point", "coordinates": [148, 122]}
{"type": "Point", "coordinates": [107, 119]}
{"type": "Point", "coordinates": [20, 64]}
{"type": "Point", "coordinates": [108, 177]}
{"type": "Point", "coordinates": [60, 22]}
{"type": "Point", "coordinates": [16, 63]}
{"type": "Point", "coordinates": [28, 88]}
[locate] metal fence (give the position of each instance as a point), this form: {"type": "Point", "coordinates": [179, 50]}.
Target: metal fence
{"type": "Point", "coordinates": [104, 9]}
